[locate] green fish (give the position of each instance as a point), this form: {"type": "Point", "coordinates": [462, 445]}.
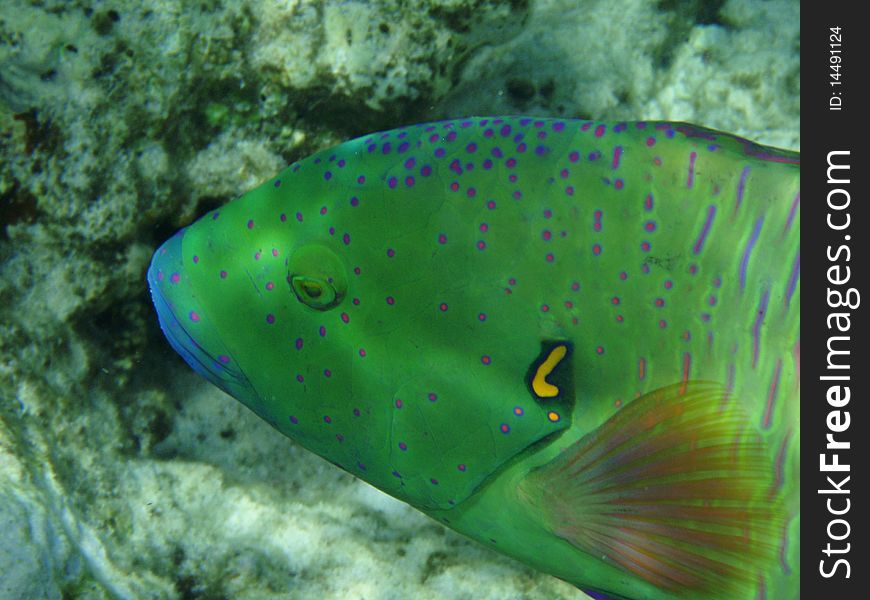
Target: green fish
{"type": "Point", "coordinates": [575, 342]}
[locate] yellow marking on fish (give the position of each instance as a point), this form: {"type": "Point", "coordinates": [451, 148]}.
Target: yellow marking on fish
{"type": "Point", "coordinates": [540, 386]}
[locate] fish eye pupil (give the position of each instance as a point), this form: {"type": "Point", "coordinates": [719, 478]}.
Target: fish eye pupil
{"type": "Point", "coordinates": [312, 289]}
{"type": "Point", "coordinates": [317, 277]}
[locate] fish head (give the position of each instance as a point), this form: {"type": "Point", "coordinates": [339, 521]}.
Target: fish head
{"type": "Point", "coordinates": [377, 328]}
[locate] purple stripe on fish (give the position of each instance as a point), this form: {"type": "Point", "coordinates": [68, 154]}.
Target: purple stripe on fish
{"type": "Point", "coordinates": [687, 367]}
{"type": "Point", "coordinates": [771, 396]}
{"type": "Point", "coordinates": [741, 187]}
{"type": "Point", "coordinates": [779, 467]}
{"type": "Point", "coordinates": [756, 328]}
{"type": "Point", "coordinates": [792, 213]}
{"type": "Point", "coordinates": [690, 181]}
{"type": "Point", "coordinates": [699, 244]}
{"type": "Point", "coordinates": [617, 154]}
{"type": "Point", "coordinates": [792, 282]}
{"type": "Point", "coordinates": [648, 202]}
{"type": "Point", "coordinates": [744, 262]}
{"type": "Point", "coordinates": [757, 152]}
{"type": "Point", "coordinates": [783, 546]}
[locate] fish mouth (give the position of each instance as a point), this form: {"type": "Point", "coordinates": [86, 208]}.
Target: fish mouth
{"type": "Point", "coordinates": [180, 312]}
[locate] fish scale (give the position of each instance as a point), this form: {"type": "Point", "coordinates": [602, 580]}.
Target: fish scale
{"type": "Point", "coordinates": [396, 303]}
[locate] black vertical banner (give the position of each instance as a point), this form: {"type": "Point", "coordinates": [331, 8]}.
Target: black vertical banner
{"type": "Point", "coordinates": [835, 423]}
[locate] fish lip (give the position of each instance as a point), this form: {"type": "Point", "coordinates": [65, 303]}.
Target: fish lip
{"type": "Point", "coordinates": [167, 263]}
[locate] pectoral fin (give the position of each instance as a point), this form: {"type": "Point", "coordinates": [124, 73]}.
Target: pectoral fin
{"type": "Point", "coordinates": [674, 488]}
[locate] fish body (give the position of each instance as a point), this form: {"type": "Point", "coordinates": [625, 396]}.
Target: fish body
{"type": "Point", "coordinates": [575, 342]}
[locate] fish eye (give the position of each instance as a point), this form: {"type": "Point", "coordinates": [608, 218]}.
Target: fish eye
{"type": "Point", "coordinates": [313, 289]}
{"type": "Point", "coordinates": [314, 292]}
{"type": "Point", "coordinates": [317, 277]}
